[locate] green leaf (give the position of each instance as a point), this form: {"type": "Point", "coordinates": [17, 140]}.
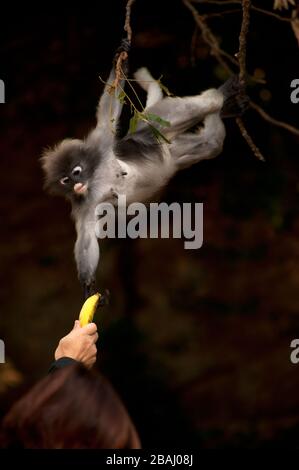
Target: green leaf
{"type": "Point", "coordinates": [158, 119]}
{"type": "Point", "coordinates": [122, 97]}
{"type": "Point", "coordinates": [159, 136]}
{"type": "Point", "coordinates": [133, 123]}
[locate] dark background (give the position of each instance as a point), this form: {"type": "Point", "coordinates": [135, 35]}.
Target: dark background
{"type": "Point", "coordinates": [197, 342]}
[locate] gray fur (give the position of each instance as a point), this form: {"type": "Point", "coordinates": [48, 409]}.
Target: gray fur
{"type": "Point", "coordinates": [137, 166]}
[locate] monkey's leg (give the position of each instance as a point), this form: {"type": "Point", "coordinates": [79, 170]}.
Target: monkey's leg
{"type": "Point", "coordinates": [183, 113]}
{"type": "Point", "coordinates": [188, 149]}
{"type": "Point", "coordinates": [150, 85]}
{"type": "Point", "coordinates": [87, 255]}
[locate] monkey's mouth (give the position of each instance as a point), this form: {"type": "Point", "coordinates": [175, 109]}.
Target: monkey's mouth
{"type": "Point", "coordinates": [80, 189]}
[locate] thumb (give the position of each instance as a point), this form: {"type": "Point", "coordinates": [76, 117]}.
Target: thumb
{"type": "Point", "coordinates": [76, 325]}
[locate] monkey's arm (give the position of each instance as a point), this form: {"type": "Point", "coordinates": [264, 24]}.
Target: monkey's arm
{"type": "Point", "coordinates": [110, 106]}
{"type": "Point", "coordinates": [87, 254]}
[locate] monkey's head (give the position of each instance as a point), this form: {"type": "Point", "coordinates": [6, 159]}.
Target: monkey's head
{"type": "Point", "coordinates": [69, 167]}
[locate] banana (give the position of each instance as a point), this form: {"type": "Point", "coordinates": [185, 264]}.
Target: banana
{"type": "Point", "coordinates": [88, 309]}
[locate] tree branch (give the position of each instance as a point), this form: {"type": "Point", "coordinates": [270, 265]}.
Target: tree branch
{"type": "Point", "coordinates": [217, 52]}
{"type": "Point", "coordinates": [208, 16]}
{"type": "Point", "coordinates": [256, 151]}
{"type": "Point", "coordinates": [210, 39]}
{"type": "Point", "coordinates": [127, 26]}
{"type": "Point", "coordinates": [242, 40]}
{"type": "Point", "coordinates": [123, 55]}
{"type": "Point", "coordinates": [272, 120]}
{"type": "Point", "coordinates": [246, 4]}
{"type": "Point", "coordinates": [238, 2]}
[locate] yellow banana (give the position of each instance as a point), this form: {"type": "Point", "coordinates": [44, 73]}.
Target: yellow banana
{"type": "Point", "coordinates": [88, 309]}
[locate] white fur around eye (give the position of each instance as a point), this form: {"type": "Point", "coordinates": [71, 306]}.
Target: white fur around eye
{"type": "Point", "coordinates": [64, 180]}
{"type": "Point", "coordinates": [77, 170]}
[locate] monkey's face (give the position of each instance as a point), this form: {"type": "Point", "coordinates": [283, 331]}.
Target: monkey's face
{"type": "Point", "coordinates": [69, 169]}
{"type": "Point", "coordinates": [74, 182]}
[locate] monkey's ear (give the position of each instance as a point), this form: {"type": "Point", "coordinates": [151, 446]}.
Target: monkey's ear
{"type": "Point", "coordinates": [56, 160]}
{"type": "Point", "coordinates": [47, 155]}
{"type": "Point", "coordinates": [50, 164]}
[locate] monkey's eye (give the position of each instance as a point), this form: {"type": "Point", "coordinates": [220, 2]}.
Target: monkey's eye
{"type": "Point", "coordinates": [64, 180]}
{"type": "Point", "coordinates": [76, 171]}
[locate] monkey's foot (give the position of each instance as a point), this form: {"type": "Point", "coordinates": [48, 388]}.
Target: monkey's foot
{"type": "Point", "coordinates": [235, 99]}
{"type": "Point", "coordinates": [234, 106]}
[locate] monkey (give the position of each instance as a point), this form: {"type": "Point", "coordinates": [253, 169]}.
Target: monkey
{"type": "Point", "coordinates": [103, 165]}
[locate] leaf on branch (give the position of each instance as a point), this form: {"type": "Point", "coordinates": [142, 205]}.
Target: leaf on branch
{"type": "Point", "coordinates": [148, 118]}
{"type": "Point", "coordinates": [133, 122]}
{"type": "Point", "coordinates": [159, 136]}
{"type": "Point", "coordinates": [122, 97]}
{"type": "Point", "coordinates": [155, 118]}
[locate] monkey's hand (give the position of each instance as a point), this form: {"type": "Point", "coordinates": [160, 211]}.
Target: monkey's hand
{"type": "Point", "coordinates": [124, 47]}
{"type": "Point", "coordinates": [235, 99]}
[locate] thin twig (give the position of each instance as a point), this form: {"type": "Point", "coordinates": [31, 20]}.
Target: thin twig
{"type": "Point", "coordinates": [134, 91]}
{"type": "Point", "coordinates": [238, 2]}
{"type": "Point", "coordinates": [242, 40]}
{"type": "Point", "coordinates": [246, 4]}
{"type": "Point", "coordinates": [270, 13]}
{"type": "Point", "coordinates": [256, 151]}
{"type": "Point", "coordinates": [208, 16]}
{"type": "Point", "coordinates": [272, 120]}
{"type": "Point", "coordinates": [127, 26]}
{"type": "Point", "coordinates": [210, 39]}
{"type": "Point", "coordinates": [118, 68]}
{"type": "Point", "coordinates": [253, 105]}
{"type": "Point", "coordinates": [123, 55]}
{"type": "Point", "coordinates": [215, 50]}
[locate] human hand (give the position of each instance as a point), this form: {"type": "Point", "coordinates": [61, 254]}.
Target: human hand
{"type": "Point", "coordinates": [79, 344]}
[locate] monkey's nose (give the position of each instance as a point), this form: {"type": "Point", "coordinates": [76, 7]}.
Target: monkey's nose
{"type": "Point", "coordinates": [80, 188]}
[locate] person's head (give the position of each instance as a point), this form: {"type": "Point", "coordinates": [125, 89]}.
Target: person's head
{"type": "Point", "coordinates": [71, 408]}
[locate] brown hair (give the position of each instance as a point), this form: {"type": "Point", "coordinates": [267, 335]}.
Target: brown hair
{"type": "Point", "coordinates": [71, 408]}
